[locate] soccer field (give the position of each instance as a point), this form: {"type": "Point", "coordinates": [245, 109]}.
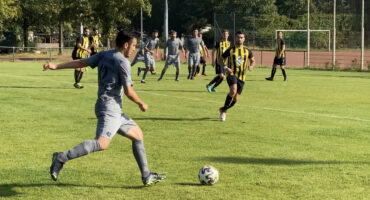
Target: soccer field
{"type": "Point", "coordinates": [308, 138]}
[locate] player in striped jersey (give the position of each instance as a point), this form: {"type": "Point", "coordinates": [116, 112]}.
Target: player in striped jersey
{"type": "Point", "coordinates": [217, 62]}
{"type": "Point", "coordinates": [236, 68]}
{"type": "Point", "coordinates": [95, 42]}
{"type": "Point", "coordinates": [280, 57]}
{"type": "Point", "coordinates": [81, 51]}
{"type": "Point", "coordinates": [203, 54]}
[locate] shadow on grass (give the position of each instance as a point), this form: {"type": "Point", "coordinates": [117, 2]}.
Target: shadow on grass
{"type": "Point", "coordinates": [28, 87]}
{"type": "Point", "coordinates": [278, 161]}
{"type": "Point", "coordinates": [189, 184]}
{"type": "Point", "coordinates": [169, 90]}
{"type": "Point", "coordinates": [174, 119]}
{"type": "Point", "coordinates": [7, 190]}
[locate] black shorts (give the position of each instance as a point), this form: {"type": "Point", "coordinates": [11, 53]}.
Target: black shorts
{"type": "Point", "coordinates": [279, 61]}
{"type": "Point", "coordinates": [231, 80]}
{"type": "Point", "coordinates": [219, 69]}
{"type": "Point", "coordinates": [93, 53]}
{"type": "Point", "coordinates": [202, 60]}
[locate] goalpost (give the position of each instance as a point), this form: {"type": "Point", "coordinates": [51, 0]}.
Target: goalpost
{"type": "Point", "coordinates": [289, 30]}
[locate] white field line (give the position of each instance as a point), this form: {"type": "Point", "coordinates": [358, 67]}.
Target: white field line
{"type": "Point", "coordinates": [216, 102]}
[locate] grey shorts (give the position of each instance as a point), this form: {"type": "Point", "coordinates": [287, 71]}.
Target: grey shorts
{"type": "Point", "coordinates": [149, 60]}
{"type": "Point", "coordinates": [110, 124]}
{"type": "Point", "coordinates": [173, 60]}
{"type": "Point", "coordinates": [194, 59]}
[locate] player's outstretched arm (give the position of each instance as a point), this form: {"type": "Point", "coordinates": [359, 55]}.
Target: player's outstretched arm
{"type": "Point", "coordinates": [131, 94]}
{"type": "Point", "coordinates": [67, 65]}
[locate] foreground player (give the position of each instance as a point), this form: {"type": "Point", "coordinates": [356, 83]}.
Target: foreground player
{"type": "Point", "coordinates": [218, 62]}
{"type": "Point", "coordinates": [173, 45]}
{"type": "Point", "coordinates": [81, 51]}
{"type": "Point", "coordinates": [236, 69]}
{"type": "Point", "coordinates": [280, 57]}
{"type": "Point", "coordinates": [151, 44]}
{"type": "Point", "coordinates": [114, 75]}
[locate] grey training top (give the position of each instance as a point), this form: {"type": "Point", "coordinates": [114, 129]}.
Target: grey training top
{"type": "Point", "coordinates": [152, 44]}
{"type": "Point", "coordinates": [173, 46]}
{"type": "Point", "coordinates": [114, 73]}
{"type": "Point", "coordinates": [193, 44]}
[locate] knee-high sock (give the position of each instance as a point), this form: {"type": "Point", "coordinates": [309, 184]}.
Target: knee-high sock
{"type": "Point", "coordinates": [284, 74]}
{"type": "Point", "coordinates": [228, 101]}
{"type": "Point", "coordinates": [162, 73]}
{"type": "Point", "coordinates": [273, 72]}
{"type": "Point", "coordinates": [80, 76]}
{"type": "Point", "coordinates": [218, 82]}
{"type": "Point", "coordinates": [86, 147]}
{"type": "Point", "coordinates": [76, 75]}
{"type": "Point", "coordinates": [177, 75]}
{"type": "Point", "coordinates": [145, 72]}
{"type": "Point", "coordinates": [198, 69]}
{"type": "Point", "coordinates": [215, 79]}
{"type": "Point", "coordinates": [204, 69]}
{"type": "Point", "coordinates": [140, 155]}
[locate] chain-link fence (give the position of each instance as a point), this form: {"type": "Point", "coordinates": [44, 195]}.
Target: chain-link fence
{"type": "Point", "coordinates": [260, 32]}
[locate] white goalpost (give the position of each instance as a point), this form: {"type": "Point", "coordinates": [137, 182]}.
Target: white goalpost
{"type": "Point", "coordinates": [290, 30]}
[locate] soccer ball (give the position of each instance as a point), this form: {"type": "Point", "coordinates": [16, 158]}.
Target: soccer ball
{"type": "Point", "coordinates": [208, 175]}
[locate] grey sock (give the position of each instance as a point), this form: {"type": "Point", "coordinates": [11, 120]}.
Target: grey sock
{"type": "Point", "coordinates": [86, 147]}
{"type": "Point", "coordinates": [140, 156]}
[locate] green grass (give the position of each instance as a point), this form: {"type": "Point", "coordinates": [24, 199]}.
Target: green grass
{"type": "Point", "coordinates": [308, 138]}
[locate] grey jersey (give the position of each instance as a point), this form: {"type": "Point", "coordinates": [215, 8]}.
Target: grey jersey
{"type": "Point", "coordinates": [114, 73]}
{"type": "Point", "coordinates": [152, 44]}
{"type": "Point", "coordinates": [193, 44]}
{"type": "Point", "coordinates": [173, 46]}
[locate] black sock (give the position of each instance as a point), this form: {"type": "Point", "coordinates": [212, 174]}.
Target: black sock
{"type": "Point", "coordinates": [80, 76]}
{"type": "Point", "coordinates": [227, 103]}
{"type": "Point", "coordinates": [215, 79]}
{"type": "Point", "coordinates": [198, 69]}
{"type": "Point", "coordinates": [189, 69]}
{"type": "Point", "coordinates": [284, 74]}
{"type": "Point", "coordinates": [273, 72]}
{"type": "Point", "coordinates": [204, 69]}
{"type": "Point", "coordinates": [162, 74]}
{"type": "Point", "coordinates": [145, 72]}
{"type": "Point", "coordinates": [218, 82]}
{"type": "Point", "coordinates": [76, 75]}
{"type": "Point", "coordinates": [177, 75]}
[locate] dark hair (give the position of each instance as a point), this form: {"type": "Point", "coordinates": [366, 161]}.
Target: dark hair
{"type": "Point", "coordinates": [239, 33]}
{"type": "Point", "coordinates": [155, 31]}
{"type": "Point", "coordinates": [173, 31]}
{"type": "Point", "coordinates": [94, 29]}
{"type": "Point", "coordinates": [279, 32]}
{"type": "Point", "coordinates": [85, 29]}
{"type": "Point", "coordinates": [225, 30]}
{"type": "Point", "coordinates": [125, 36]}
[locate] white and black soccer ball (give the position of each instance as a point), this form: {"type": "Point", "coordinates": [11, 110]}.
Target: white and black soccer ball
{"type": "Point", "coordinates": [208, 175]}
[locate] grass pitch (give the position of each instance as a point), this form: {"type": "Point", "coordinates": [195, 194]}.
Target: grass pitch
{"type": "Point", "coordinates": [308, 138]}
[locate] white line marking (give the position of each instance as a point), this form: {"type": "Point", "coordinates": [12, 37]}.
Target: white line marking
{"type": "Point", "coordinates": [216, 102]}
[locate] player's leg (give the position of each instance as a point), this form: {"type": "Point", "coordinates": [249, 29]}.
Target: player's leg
{"type": "Point", "coordinates": [232, 82]}
{"type": "Point", "coordinates": [177, 66]}
{"type": "Point", "coordinates": [282, 66]}
{"type": "Point", "coordinates": [78, 76]}
{"type": "Point", "coordinates": [106, 128]}
{"type": "Point", "coordinates": [203, 61]}
{"type": "Point", "coordinates": [215, 79]}
{"type": "Point", "coordinates": [164, 68]}
{"type": "Point", "coordinates": [152, 68]}
{"type": "Point", "coordinates": [196, 59]}
{"type": "Point", "coordinates": [190, 64]}
{"type": "Point", "coordinates": [132, 131]}
{"type": "Point", "coordinates": [219, 81]}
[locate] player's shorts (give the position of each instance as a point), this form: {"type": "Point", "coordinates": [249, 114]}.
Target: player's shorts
{"type": "Point", "coordinates": [279, 61]}
{"type": "Point", "coordinates": [173, 60]}
{"type": "Point", "coordinates": [149, 60]}
{"type": "Point", "coordinates": [194, 59]}
{"type": "Point", "coordinates": [231, 80]}
{"type": "Point", "coordinates": [110, 124]}
{"type": "Point", "coordinates": [93, 53]}
{"type": "Point", "coordinates": [202, 60]}
{"type": "Point", "coordinates": [138, 58]}
{"type": "Point", "coordinates": [220, 69]}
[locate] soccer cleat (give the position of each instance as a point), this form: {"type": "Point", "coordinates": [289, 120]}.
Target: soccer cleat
{"type": "Point", "coordinates": [142, 81]}
{"type": "Point", "coordinates": [222, 115]}
{"type": "Point", "coordinates": [189, 76]}
{"type": "Point", "coordinates": [213, 90]}
{"type": "Point", "coordinates": [153, 178]}
{"type": "Point", "coordinates": [159, 79]}
{"type": "Point", "coordinates": [177, 79]}
{"type": "Point", "coordinates": [204, 74]}
{"type": "Point", "coordinates": [138, 71]}
{"type": "Point", "coordinates": [56, 166]}
{"type": "Point", "coordinates": [196, 75]}
{"type": "Point", "coordinates": [153, 72]}
{"type": "Point", "coordinates": [208, 87]}
{"type": "Point", "coordinates": [285, 79]}
{"type": "Point", "coordinates": [78, 86]}
{"type": "Point", "coordinates": [269, 79]}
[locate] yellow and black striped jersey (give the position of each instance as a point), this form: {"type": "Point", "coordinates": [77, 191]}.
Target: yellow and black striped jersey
{"type": "Point", "coordinates": [95, 40]}
{"type": "Point", "coordinates": [238, 60]}
{"type": "Point", "coordinates": [221, 48]}
{"type": "Point", "coordinates": [79, 53]}
{"type": "Point", "coordinates": [201, 49]}
{"type": "Point", "coordinates": [279, 48]}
